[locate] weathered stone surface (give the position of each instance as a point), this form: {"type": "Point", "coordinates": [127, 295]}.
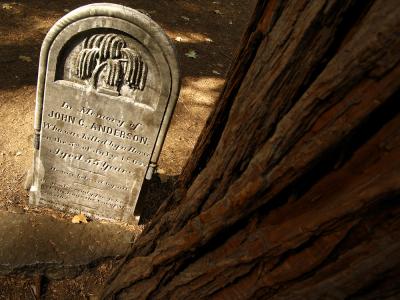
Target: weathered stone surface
{"type": "Point", "coordinates": [55, 248]}
{"type": "Point", "coordinates": [108, 83]}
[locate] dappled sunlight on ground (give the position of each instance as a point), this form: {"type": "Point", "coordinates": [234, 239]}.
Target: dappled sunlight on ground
{"type": "Point", "coordinates": [189, 37]}
{"type": "Point", "coordinates": [196, 100]}
{"type": "Point", "coordinates": [201, 90]}
{"type": "Point", "coordinates": [16, 136]}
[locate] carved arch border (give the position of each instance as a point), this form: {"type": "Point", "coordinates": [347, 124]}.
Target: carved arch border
{"type": "Point", "coordinates": [130, 15]}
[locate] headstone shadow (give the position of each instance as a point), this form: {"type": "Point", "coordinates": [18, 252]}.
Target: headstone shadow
{"type": "Point", "coordinates": [154, 192]}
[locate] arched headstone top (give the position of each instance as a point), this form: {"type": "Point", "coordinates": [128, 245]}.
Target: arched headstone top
{"type": "Point", "coordinates": [118, 12]}
{"type": "Point", "coordinates": [108, 82]}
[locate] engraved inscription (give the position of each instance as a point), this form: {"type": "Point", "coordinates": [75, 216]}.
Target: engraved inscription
{"type": "Point", "coordinates": [100, 159]}
{"type": "Point", "coordinates": [109, 65]}
{"type": "Point", "coordinates": [90, 151]}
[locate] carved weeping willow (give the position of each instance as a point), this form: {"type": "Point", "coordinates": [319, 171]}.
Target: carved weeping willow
{"type": "Point", "coordinates": [105, 60]}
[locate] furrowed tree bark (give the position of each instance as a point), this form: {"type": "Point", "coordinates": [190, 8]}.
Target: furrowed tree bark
{"type": "Point", "coordinates": [291, 189]}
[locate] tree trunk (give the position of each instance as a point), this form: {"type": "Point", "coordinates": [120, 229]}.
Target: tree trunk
{"type": "Point", "coordinates": [291, 189]}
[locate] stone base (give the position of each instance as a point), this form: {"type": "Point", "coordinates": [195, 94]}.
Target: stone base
{"type": "Point", "coordinates": [57, 249]}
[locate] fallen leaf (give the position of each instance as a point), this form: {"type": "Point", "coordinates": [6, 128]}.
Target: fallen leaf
{"type": "Point", "coordinates": [185, 18]}
{"type": "Point", "coordinates": [81, 218]}
{"type": "Point", "coordinates": [160, 171]}
{"type": "Point", "coordinates": [7, 6]}
{"type": "Point", "coordinates": [25, 58]}
{"type": "Point", "coordinates": [218, 12]}
{"type": "Point", "coordinates": [178, 39]}
{"type": "Point", "coordinates": [191, 54]}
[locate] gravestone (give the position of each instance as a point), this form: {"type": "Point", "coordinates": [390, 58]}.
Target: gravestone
{"type": "Point", "coordinates": [107, 86]}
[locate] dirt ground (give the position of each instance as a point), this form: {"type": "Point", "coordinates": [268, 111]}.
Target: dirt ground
{"type": "Point", "coordinates": [208, 30]}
